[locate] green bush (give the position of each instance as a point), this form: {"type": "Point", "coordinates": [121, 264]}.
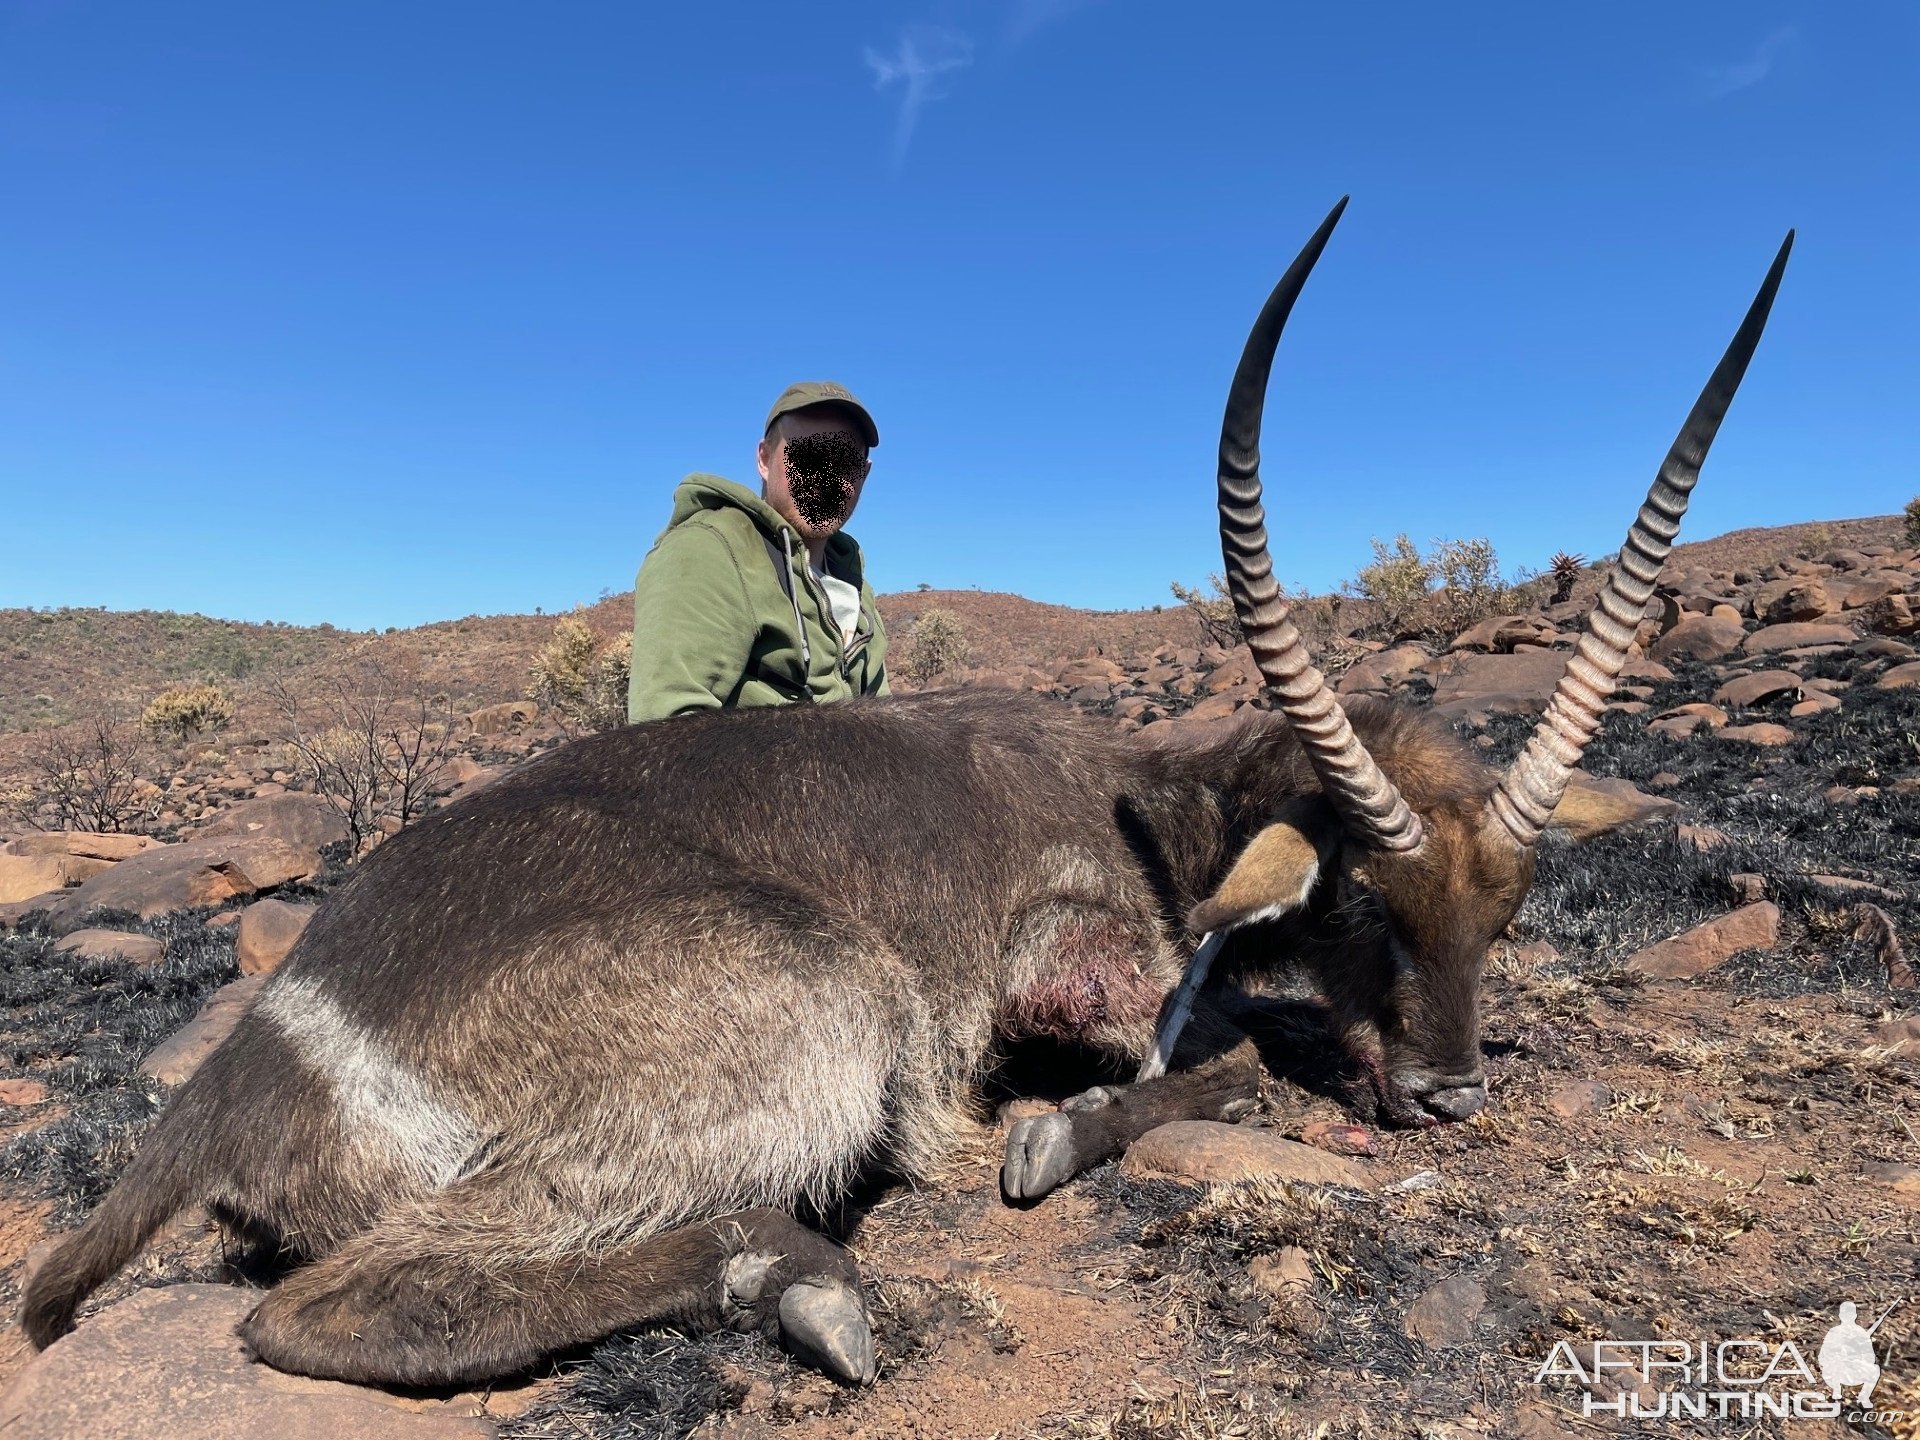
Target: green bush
{"type": "Point", "coordinates": [936, 644]}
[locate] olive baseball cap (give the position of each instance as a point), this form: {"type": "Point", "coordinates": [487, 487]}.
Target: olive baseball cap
{"type": "Point", "coordinates": [808, 393]}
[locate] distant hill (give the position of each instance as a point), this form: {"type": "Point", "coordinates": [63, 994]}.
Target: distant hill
{"type": "Point", "coordinates": [57, 665]}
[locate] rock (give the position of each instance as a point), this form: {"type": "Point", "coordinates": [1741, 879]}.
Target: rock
{"type": "Point", "coordinates": [305, 822]}
{"type": "Point", "coordinates": [1900, 677]}
{"type": "Point", "coordinates": [1591, 808]}
{"type": "Point", "coordinates": [1818, 702]}
{"type": "Point", "coordinates": [1802, 600]}
{"type": "Point", "coordinates": [503, 719]}
{"type": "Point", "coordinates": [266, 933]}
{"type": "Point", "coordinates": [1748, 888]}
{"type": "Point", "coordinates": [180, 1054]}
{"type": "Point", "coordinates": [1582, 1097]}
{"type": "Point", "coordinates": [1696, 951]}
{"type": "Point", "coordinates": [1699, 637]}
{"type": "Point", "coordinates": [166, 1362]}
{"type": "Point", "coordinates": [1790, 636]}
{"type": "Point", "coordinates": [84, 844]}
{"type": "Point", "coordinates": [1339, 1139]}
{"type": "Point", "coordinates": [1501, 633]}
{"type": "Point", "coordinates": [1238, 669]}
{"type": "Point", "coordinates": [24, 876]}
{"type": "Point", "coordinates": [1683, 720]}
{"type": "Point", "coordinates": [1209, 1151]}
{"type": "Point", "coordinates": [1286, 1274]}
{"type": "Point", "coordinates": [113, 945]}
{"type": "Point", "coordinates": [1091, 693]}
{"type": "Point", "coordinates": [1701, 837]}
{"type": "Point", "coordinates": [203, 872]}
{"type": "Point", "coordinates": [1381, 671]}
{"type": "Point", "coordinates": [1216, 707]}
{"type": "Point", "coordinates": [1445, 1314]}
{"type": "Point", "coordinates": [1762, 734]}
{"type": "Point", "coordinates": [22, 1092]}
{"type": "Point", "coordinates": [1503, 683]}
{"type": "Point", "coordinates": [1892, 615]}
{"type": "Point", "coordinates": [1898, 1037]}
{"type": "Point", "coordinates": [1904, 1178]}
{"type": "Point", "coordinates": [1756, 689]}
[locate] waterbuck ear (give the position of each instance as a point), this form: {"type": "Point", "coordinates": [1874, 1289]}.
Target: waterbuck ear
{"type": "Point", "coordinates": [1274, 874]}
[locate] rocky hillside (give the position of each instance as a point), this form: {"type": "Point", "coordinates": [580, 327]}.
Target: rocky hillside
{"type": "Point", "coordinates": [1702, 1036]}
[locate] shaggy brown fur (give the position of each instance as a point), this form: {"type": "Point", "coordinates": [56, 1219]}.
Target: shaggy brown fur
{"type": "Point", "coordinates": [725, 964]}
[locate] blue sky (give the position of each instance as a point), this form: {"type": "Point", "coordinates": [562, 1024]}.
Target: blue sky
{"type": "Point", "coordinates": [384, 313]}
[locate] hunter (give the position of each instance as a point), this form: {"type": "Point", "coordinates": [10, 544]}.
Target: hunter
{"type": "Point", "coordinates": [749, 599]}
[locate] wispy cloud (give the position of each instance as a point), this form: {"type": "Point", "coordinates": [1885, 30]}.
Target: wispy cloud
{"type": "Point", "coordinates": [1719, 81]}
{"type": "Point", "coordinates": [922, 59]}
{"type": "Point", "coordinates": [1028, 16]}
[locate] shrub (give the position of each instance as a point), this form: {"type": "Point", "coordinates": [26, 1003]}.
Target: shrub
{"type": "Point", "coordinates": [1396, 583]}
{"type": "Point", "coordinates": [372, 742]}
{"type": "Point", "coordinates": [581, 680]}
{"type": "Point", "coordinates": [1911, 518]}
{"type": "Point", "coordinates": [86, 776]}
{"type": "Point", "coordinates": [936, 644]}
{"type": "Point", "coordinates": [180, 712]}
{"type": "Point", "coordinates": [1214, 611]}
{"type": "Point", "coordinates": [1456, 583]}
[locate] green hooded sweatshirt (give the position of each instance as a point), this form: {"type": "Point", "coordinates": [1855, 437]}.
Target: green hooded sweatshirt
{"type": "Point", "coordinates": [714, 626]}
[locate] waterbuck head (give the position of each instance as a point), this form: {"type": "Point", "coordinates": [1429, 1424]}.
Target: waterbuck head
{"type": "Point", "coordinates": [1400, 899]}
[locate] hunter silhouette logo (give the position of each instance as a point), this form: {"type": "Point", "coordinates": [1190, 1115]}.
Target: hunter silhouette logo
{"type": "Point", "coordinates": [1736, 1379]}
{"type": "Point", "coordinates": [1846, 1355]}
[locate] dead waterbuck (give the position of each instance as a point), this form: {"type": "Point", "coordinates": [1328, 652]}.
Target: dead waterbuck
{"type": "Point", "coordinates": [584, 1050]}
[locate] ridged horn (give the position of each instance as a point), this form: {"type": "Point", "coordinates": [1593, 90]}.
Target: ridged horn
{"type": "Point", "coordinates": [1366, 800]}
{"type": "Point", "coordinates": [1534, 783]}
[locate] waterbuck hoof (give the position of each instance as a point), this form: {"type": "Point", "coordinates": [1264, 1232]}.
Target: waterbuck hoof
{"type": "Point", "coordinates": [824, 1322]}
{"type": "Point", "coordinates": [1098, 1098]}
{"type": "Point", "coordinates": [1039, 1157]}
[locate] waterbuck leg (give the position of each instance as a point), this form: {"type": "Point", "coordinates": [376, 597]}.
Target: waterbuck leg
{"type": "Point", "coordinates": [1045, 1151]}
{"type": "Point", "coordinates": [436, 1296]}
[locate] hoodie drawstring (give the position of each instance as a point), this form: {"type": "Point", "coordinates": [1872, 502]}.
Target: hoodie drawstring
{"type": "Point", "coordinates": [799, 624]}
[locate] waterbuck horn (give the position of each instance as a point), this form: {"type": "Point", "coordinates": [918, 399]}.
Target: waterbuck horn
{"type": "Point", "coordinates": [1367, 801]}
{"type": "Point", "coordinates": [1534, 783]}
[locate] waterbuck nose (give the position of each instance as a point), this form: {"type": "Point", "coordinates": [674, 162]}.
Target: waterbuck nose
{"type": "Point", "coordinates": [1456, 1102]}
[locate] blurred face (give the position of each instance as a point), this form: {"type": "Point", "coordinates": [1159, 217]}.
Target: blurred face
{"type": "Point", "coordinates": [814, 469]}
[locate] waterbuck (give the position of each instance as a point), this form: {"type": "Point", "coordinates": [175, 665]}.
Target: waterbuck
{"type": "Point", "coordinates": [586, 1050]}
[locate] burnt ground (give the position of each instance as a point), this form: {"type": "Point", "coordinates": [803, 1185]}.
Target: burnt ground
{"type": "Point", "coordinates": [1736, 1174]}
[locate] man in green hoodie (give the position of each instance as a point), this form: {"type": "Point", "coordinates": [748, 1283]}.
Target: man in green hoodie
{"type": "Point", "coordinates": [762, 599]}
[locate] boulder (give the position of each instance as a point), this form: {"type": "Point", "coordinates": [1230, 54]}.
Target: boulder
{"type": "Point", "coordinates": [166, 1362]}
{"type": "Point", "coordinates": [84, 844]}
{"type": "Point", "coordinates": [1802, 600]}
{"type": "Point", "coordinates": [1795, 635]}
{"type": "Point", "coordinates": [304, 821]}
{"type": "Point", "coordinates": [1381, 671]}
{"type": "Point", "coordinates": [1758, 688]}
{"type": "Point", "coordinates": [1900, 677]}
{"type": "Point", "coordinates": [1523, 683]}
{"type": "Point", "coordinates": [24, 876]}
{"type": "Point", "coordinates": [113, 945]}
{"type": "Point", "coordinates": [267, 931]}
{"type": "Point", "coordinates": [1591, 808]}
{"type": "Point", "coordinates": [1696, 951]}
{"type": "Point", "coordinates": [1208, 1151]}
{"type": "Point", "coordinates": [180, 1054]}
{"type": "Point", "coordinates": [1892, 615]}
{"type": "Point", "coordinates": [1501, 633]}
{"type": "Point", "coordinates": [1699, 637]}
{"type": "Point", "coordinates": [201, 872]}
